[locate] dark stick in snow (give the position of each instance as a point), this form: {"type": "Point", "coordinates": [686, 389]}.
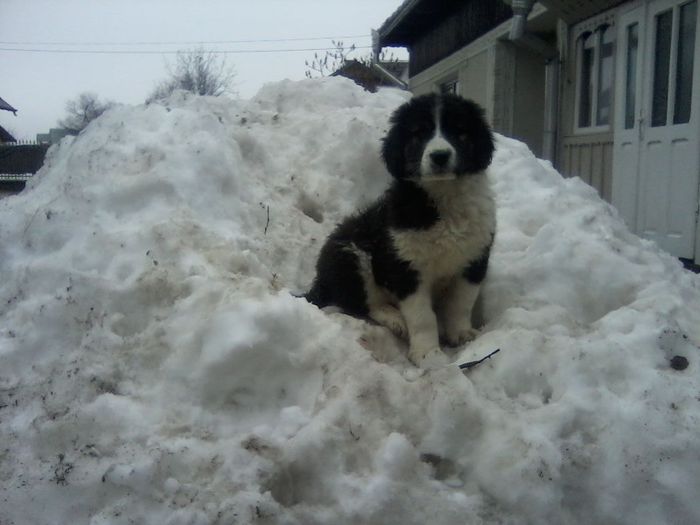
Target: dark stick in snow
{"type": "Point", "coordinates": [471, 364]}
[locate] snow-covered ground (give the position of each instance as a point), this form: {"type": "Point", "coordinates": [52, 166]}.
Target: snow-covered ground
{"type": "Point", "coordinates": [154, 367]}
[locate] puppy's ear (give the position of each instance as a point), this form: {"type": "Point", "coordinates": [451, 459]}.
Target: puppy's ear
{"type": "Point", "coordinates": [393, 151]}
{"type": "Point", "coordinates": [481, 138]}
{"type": "Point", "coordinates": [482, 152]}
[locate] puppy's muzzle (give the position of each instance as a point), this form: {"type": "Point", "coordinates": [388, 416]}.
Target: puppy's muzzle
{"type": "Point", "coordinates": [440, 158]}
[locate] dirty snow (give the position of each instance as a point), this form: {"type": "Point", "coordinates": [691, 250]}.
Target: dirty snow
{"type": "Point", "coordinates": [154, 367]}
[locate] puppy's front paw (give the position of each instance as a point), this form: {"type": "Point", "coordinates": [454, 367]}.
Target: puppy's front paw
{"type": "Point", "coordinates": [428, 359]}
{"type": "Point", "coordinates": [459, 336]}
{"type": "Point", "coordinates": [390, 317]}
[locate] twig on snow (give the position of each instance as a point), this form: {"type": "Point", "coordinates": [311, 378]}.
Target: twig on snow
{"type": "Point", "coordinates": [471, 364]}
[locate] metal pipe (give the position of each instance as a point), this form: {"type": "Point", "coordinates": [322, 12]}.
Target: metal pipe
{"type": "Point", "coordinates": [521, 10]}
{"type": "Point", "coordinates": [551, 110]}
{"type": "Point", "coordinates": [399, 83]}
{"type": "Point", "coordinates": [519, 36]}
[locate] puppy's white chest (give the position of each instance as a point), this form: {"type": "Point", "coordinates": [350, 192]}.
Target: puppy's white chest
{"type": "Point", "coordinates": [443, 250]}
{"type": "Point", "coordinates": [464, 230]}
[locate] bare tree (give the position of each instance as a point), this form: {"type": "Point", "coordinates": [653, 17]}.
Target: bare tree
{"type": "Point", "coordinates": [336, 58]}
{"type": "Point", "coordinates": [197, 71]}
{"type": "Point", "coordinates": [83, 110]}
{"type": "Point", "coordinates": [333, 60]}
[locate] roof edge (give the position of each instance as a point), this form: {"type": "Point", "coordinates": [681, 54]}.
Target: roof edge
{"type": "Point", "coordinates": [395, 19]}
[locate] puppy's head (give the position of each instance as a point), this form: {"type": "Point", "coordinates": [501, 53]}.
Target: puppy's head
{"type": "Point", "coordinates": [437, 137]}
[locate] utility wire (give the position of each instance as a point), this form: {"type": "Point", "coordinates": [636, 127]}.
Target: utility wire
{"type": "Point", "coordinates": [166, 52]}
{"type": "Point", "coordinates": [178, 43]}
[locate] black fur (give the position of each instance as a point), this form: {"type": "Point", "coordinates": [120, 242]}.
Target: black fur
{"type": "Point", "coordinates": [413, 124]}
{"type": "Point", "coordinates": [406, 205]}
{"type": "Point", "coordinates": [476, 271]}
{"type": "Point", "coordinates": [338, 279]}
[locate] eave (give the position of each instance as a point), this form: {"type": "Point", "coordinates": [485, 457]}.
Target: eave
{"type": "Point", "coordinates": [573, 11]}
{"type": "Point", "coordinates": [412, 19]}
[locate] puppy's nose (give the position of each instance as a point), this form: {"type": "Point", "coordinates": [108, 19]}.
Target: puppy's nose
{"type": "Point", "coordinates": [440, 157]}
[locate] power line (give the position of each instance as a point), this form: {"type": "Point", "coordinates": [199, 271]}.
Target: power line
{"type": "Point", "coordinates": [166, 52]}
{"type": "Point", "coordinates": [178, 43]}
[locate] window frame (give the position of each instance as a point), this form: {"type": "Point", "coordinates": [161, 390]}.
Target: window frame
{"type": "Point", "coordinates": [453, 81]}
{"type": "Point", "coordinates": [596, 29]}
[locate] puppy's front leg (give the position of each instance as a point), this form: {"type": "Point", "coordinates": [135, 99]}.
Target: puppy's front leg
{"type": "Point", "coordinates": [459, 302]}
{"type": "Point", "coordinates": [424, 347]}
{"type": "Point", "coordinates": [457, 312]}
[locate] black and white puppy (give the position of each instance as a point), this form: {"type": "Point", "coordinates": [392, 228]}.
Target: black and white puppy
{"type": "Point", "coordinates": [413, 261]}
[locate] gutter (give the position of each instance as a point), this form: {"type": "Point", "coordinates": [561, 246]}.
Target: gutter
{"type": "Point", "coordinates": [393, 78]}
{"type": "Point", "coordinates": [520, 37]}
{"type": "Point", "coordinates": [376, 49]}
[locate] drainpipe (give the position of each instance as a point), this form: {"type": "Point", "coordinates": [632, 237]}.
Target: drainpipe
{"type": "Point", "coordinates": [551, 106]}
{"type": "Point", "coordinates": [521, 10]}
{"type": "Point", "coordinates": [519, 36]}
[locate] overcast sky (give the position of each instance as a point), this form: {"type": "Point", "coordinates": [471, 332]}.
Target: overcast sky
{"type": "Point", "coordinates": [39, 82]}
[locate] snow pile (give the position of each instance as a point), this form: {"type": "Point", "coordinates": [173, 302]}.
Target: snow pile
{"type": "Point", "coordinates": [156, 369]}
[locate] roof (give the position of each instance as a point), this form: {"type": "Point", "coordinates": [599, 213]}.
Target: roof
{"type": "Point", "coordinates": [6, 136]}
{"type": "Point", "coordinates": [4, 105]}
{"type": "Point", "coordinates": [371, 77]}
{"type": "Point", "coordinates": [572, 11]}
{"type": "Point", "coordinates": [413, 18]}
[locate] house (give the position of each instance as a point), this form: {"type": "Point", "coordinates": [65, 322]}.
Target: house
{"type": "Point", "coordinates": [5, 106]}
{"type": "Point", "coordinates": [54, 135]}
{"type": "Point", "coordinates": [608, 90]}
{"type": "Point", "coordinates": [5, 136]}
{"type": "Point", "coordinates": [18, 162]}
{"type": "Point", "coordinates": [373, 75]}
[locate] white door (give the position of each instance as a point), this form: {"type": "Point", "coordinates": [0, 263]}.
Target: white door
{"type": "Point", "coordinates": [656, 162]}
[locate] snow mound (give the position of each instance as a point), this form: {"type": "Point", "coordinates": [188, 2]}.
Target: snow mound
{"type": "Point", "coordinates": [156, 368]}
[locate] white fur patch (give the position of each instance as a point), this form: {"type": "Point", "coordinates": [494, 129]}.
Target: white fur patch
{"type": "Point", "coordinates": [438, 143]}
{"type": "Point", "coordinates": [467, 222]}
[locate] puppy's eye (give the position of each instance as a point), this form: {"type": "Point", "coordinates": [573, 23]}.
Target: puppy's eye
{"type": "Point", "coordinates": [420, 128]}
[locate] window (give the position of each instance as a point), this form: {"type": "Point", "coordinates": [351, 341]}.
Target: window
{"type": "Point", "coordinates": [674, 53]}
{"type": "Point", "coordinates": [595, 78]}
{"type": "Point", "coordinates": [586, 81]}
{"type": "Point", "coordinates": [631, 74]}
{"type": "Point", "coordinates": [684, 69]}
{"type": "Point", "coordinates": [451, 86]}
{"type": "Point", "coordinates": [605, 77]}
{"type": "Point", "coordinates": [662, 67]}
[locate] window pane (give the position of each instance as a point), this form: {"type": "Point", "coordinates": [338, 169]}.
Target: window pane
{"type": "Point", "coordinates": [449, 87]}
{"type": "Point", "coordinates": [586, 81]}
{"type": "Point", "coordinates": [605, 75]}
{"type": "Point", "coordinates": [684, 71]}
{"type": "Point", "coordinates": [631, 75]}
{"type": "Point", "coordinates": [662, 63]}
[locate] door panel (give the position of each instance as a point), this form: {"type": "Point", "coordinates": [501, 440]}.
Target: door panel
{"type": "Point", "coordinates": [657, 193]}
{"type": "Point", "coordinates": [628, 114]}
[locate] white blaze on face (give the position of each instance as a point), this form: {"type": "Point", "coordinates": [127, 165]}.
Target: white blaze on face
{"type": "Point", "coordinates": [439, 156]}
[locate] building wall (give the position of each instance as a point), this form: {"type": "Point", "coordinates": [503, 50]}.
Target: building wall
{"type": "Point", "coordinates": [469, 66]}
{"type": "Point", "coordinates": [589, 157]}
{"type": "Point", "coordinates": [466, 24]}
{"type": "Point", "coordinates": [529, 102]}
